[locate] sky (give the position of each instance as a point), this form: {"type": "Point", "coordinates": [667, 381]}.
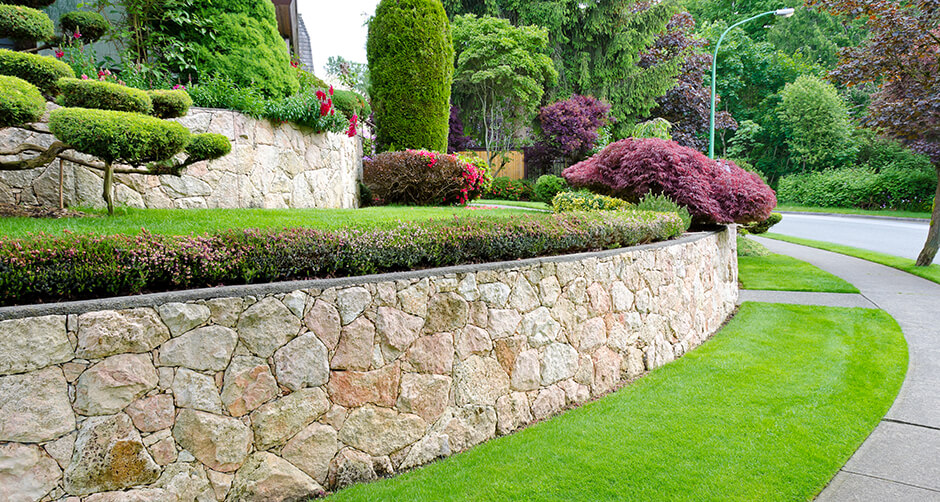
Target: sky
{"type": "Point", "coordinates": [337, 28]}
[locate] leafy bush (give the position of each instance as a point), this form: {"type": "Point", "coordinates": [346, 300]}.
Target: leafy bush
{"type": "Point", "coordinates": [419, 177]}
{"type": "Point", "coordinates": [78, 93]}
{"type": "Point", "coordinates": [547, 186]}
{"type": "Point", "coordinates": [862, 187]}
{"type": "Point", "coordinates": [714, 192]}
{"type": "Point", "coordinates": [35, 4]}
{"type": "Point", "coordinates": [24, 23]}
{"type": "Point", "coordinates": [351, 103]}
{"type": "Point", "coordinates": [308, 108]}
{"type": "Point", "coordinates": [480, 164]}
{"type": "Point", "coordinates": [583, 200]}
{"type": "Point", "coordinates": [878, 153]}
{"type": "Point", "coordinates": [20, 102]}
{"type": "Point", "coordinates": [816, 124]}
{"type": "Point", "coordinates": [170, 104]}
{"type": "Point", "coordinates": [504, 188]}
{"type": "Point", "coordinates": [118, 136]}
{"type": "Point", "coordinates": [208, 146]}
{"type": "Point", "coordinates": [655, 128]}
{"type": "Point", "coordinates": [71, 267]}
{"type": "Point", "coordinates": [664, 204]}
{"type": "Point", "coordinates": [42, 71]}
{"type": "Point", "coordinates": [762, 227]}
{"type": "Point", "coordinates": [308, 80]}
{"type": "Point", "coordinates": [457, 141]}
{"type": "Point", "coordinates": [411, 62]}
{"type": "Point", "coordinates": [91, 25]}
{"type": "Point", "coordinates": [218, 91]}
{"type": "Point", "coordinates": [570, 130]}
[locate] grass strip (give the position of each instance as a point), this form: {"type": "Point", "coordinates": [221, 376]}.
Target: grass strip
{"type": "Point", "coordinates": [931, 273]}
{"type": "Point", "coordinates": [514, 203]}
{"type": "Point", "coordinates": [851, 210]}
{"type": "Point", "coordinates": [783, 273]}
{"type": "Point", "coordinates": [769, 409]}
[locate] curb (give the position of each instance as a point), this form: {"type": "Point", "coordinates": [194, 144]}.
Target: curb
{"type": "Point", "coordinates": [858, 216]}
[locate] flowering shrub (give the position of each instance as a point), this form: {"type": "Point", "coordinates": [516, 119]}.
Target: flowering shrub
{"type": "Point", "coordinates": [564, 202]}
{"type": "Point", "coordinates": [419, 177]}
{"type": "Point", "coordinates": [45, 268]}
{"type": "Point", "coordinates": [504, 188]}
{"type": "Point", "coordinates": [713, 191]}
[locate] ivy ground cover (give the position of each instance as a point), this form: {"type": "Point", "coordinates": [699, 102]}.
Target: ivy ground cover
{"type": "Point", "coordinates": [769, 409]}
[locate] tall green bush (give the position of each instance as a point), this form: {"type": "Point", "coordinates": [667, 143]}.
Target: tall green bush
{"type": "Point", "coordinates": [863, 187]}
{"type": "Point", "coordinates": [411, 60]}
{"type": "Point", "coordinates": [816, 124]}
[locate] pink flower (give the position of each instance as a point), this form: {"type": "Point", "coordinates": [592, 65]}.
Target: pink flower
{"type": "Point", "coordinates": [84, 77]}
{"type": "Point", "coordinates": [76, 34]}
{"type": "Point", "coordinates": [331, 90]}
{"type": "Point", "coordinates": [179, 87]}
{"type": "Point", "coordinates": [59, 54]}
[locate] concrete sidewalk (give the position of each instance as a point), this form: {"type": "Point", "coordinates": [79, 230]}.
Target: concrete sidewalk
{"type": "Point", "coordinates": [900, 461]}
{"type": "Point", "coordinates": [805, 298]}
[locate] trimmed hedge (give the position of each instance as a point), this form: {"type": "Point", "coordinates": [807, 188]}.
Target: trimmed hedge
{"type": "Point", "coordinates": [123, 136]}
{"type": "Point", "coordinates": [894, 187]}
{"type": "Point", "coordinates": [169, 104]}
{"type": "Point", "coordinates": [35, 4]}
{"type": "Point", "coordinates": [72, 267]}
{"type": "Point", "coordinates": [762, 227]}
{"type": "Point", "coordinates": [78, 93]}
{"type": "Point", "coordinates": [20, 102]}
{"type": "Point", "coordinates": [24, 23]}
{"type": "Point", "coordinates": [411, 64]}
{"type": "Point", "coordinates": [419, 177]}
{"type": "Point", "coordinates": [91, 25]}
{"type": "Point", "coordinates": [664, 204]}
{"type": "Point", "coordinates": [208, 146]}
{"type": "Point", "coordinates": [564, 202]}
{"type": "Point", "coordinates": [42, 71]}
{"type": "Point", "coordinates": [549, 185]}
{"type": "Point", "coordinates": [504, 188]}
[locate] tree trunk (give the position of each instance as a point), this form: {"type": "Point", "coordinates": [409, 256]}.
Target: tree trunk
{"type": "Point", "coordinates": [933, 234]}
{"type": "Point", "coordinates": [108, 181]}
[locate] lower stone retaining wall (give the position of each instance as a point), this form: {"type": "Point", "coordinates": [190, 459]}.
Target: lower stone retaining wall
{"type": "Point", "coordinates": [277, 392]}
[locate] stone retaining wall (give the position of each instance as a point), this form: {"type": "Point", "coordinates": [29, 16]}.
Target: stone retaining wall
{"type": "Point", "coordinates": [282, 391]}
{"type": "Point", "coordinates": [270, 166]}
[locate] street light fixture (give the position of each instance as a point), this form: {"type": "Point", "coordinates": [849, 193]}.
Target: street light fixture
{"type": "Point", "coordinates": [711, 134]}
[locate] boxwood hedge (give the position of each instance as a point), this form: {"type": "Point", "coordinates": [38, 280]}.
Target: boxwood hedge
{"type": "Point", "coordinates": [118, 136]}
{"type": "Point", "coordinates": [170, 104]}
{"type": "Point", "coordinates": [42, 71]}
{"type": "Point", "coordinates": [77, 93]}
{"type": "Point", "coordinates": [35, 4]}
{"type": "Point", "coordinates": [91, 25]}
{"type": "Point", "coordinates": [23, 23]}
{"type": "Point", "coordinates": [20, 102]}
{"type": "Point", "coordinates": [208, 146]}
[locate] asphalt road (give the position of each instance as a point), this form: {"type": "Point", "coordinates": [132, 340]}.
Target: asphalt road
{"type": "Point", "coordinates": [899, 238]}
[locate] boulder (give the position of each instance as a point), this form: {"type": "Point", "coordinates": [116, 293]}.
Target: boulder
{"type": "Point", "coordinates": [323, 321]}
{"type": "Point", "coordinates": [26, 472]}
{"type": "Point", "coordinates": [424, 395]}
{"type": "Point", "coordinates": [355, 388]}
{"type": "Point", "coordinates": [152, 414]}
{"type": "Point", "coordinates": [276, 422]}
{"type": "Point", "coordinates": [248, 383]}
{"type": "Point", "coordinates": [265, 477]}
{"type": "Point", "coordinates": [204, 349]}
{"type": "Point", "coordinates": [354, 350]}
{"type": "Point", "coordinates": [266, 326]}
{"type": "Point", "coordinates": [312, 449]}
{"type": "Point", "coordinates": [479, 380]}
{"type": "Point", "coordinates": [303, 362]}
{"type": "Point", "coordinates": [196, 391]}
{"type": "Point", "coordinates": [182, 317]}
{"type": "Point", "coordinates": [379, 431]}
{"type": "Point", "coordinates": [350, 467]}
{"type": "Point", "coordinates": [221, 443]}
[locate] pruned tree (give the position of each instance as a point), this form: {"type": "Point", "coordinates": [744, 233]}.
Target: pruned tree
{"type": "Point", "coordinates": [902, 53]}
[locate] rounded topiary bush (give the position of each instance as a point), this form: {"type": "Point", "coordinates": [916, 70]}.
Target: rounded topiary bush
{"type": "Point", "coordinates": [549, 185]}
{"type": "Point", "coordinates": [118, 136]}
{"type": "Point", "coordinates": [208, 146]}
{"type": "Point", "coordinates": [170, 104]}
{"type": "Point", "coordinates": [35, 4]}
{"type": "Point", "coordinates": [419, 177]}
{"type": "Point", "coordinates": [23, 23]}
{"type": "Point", "coordinates": [77, 93]}
{"type": "Point", "coordinates": [42, 71]}
{"type": "Point", "coordinates": [91, 25]}
{"type": "Point", "coordinates": [20, 102]}
{"type": "Point", "coordinates": [411, 64]}
{"type": "Point", "coordinates": [349, 103]}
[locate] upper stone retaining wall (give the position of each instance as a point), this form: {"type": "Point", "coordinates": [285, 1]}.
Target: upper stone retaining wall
{"type": "Point", "coordinates": [276, 392]}
{"type": "Point", "coordinates": [270, 166]}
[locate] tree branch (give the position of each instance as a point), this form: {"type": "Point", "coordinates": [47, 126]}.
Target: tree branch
{"type": "Point", "coordinates": [64, 152]}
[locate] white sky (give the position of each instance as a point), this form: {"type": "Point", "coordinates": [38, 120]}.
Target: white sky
{"type": "Point", "coordinates": [336, 28]}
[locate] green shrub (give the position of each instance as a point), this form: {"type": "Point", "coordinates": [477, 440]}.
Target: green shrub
{"type": "Point", "coordinates": [879, 153]}
{"type": "Point", "coordinates": [42, 71]}
{"type": "Point", "coordinates": [747, 247]}
{"type": "Point", "coordinates": [308, 80]}
{"type": "Point", "coordinates": [24, 23]}
{"type": "Point", "coordinates": [35, 4]}
{"type": "Point", "coordinates": [411, 63]}
{"type": "Point", "coordinates": [304, 108]}
{"type": "Point", "coordinates": [862, 187]}
{"type": "Point", "coordinates": [564, 202]}
{"type": "Point", "coordinates": [20, 102]}
{"type": "Point", "coordinates": [547, 186]}
{"type": "Point", "coordinates": [816, 123]}
{"type": "Point", "coordinates": [350, 103]}
{"type": "Point", "coordinates": [762, 227]}
{"type": "Point", "coordinates": [95, 94]}
{"type": "Point", "coordinates": [663, 204]}
{"type": "Point", "coordinates": [218, 91]}
{"type": "Point", "coordinates": [208, 146]}
{"type": "Point", "coordinates": [91, 25]}
{"type": "Point", "coordinates": [118, 136]}
{"type": "Point", "coordinates": [503, 188]}
{"type": "Point", "coordinates": [170, 104]}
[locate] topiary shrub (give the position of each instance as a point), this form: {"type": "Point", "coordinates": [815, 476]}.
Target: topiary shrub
{"type": "Point", "coordinates": [169, 104]}
{"type": "Point", "coordinates": [35, 4]}
{"type": "Point", "coordinates": [24, 23]}
{"type": "Point", "coordinates": [91, 25]}
{"type": "Point", "coordinates": [42, 71]}
{"type": "Point", "coordinates": [118, 136]}
{"type": "Point", "coordinates": [419, 177]}
{"type": "Point", "coordinates": [411, 64]}
{"type": "Point", "coordinates": [547, 186]}
{"type": "Point", "coordinates": [662, 204]}
{"type": "Point", "coordinates": [565, 202]}
{"type": "Point", "coordinates": [20, 102]}
{"type": "Point", "coordinates": [713, 191]}
{"type": "Point", "coordinates": [503, 188]}
{"type": "Point", "coordinates": [761, 227]}
{"type": "Point", "coordinates": [78, 93]}
{"type": "Point", "coordinates": [208, 146]}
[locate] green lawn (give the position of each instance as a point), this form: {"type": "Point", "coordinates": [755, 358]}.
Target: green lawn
{"type": "Point", "coordinates": [852, 210]}
{"type": "Point", "coordinates": [514, 203]}
{"type": "Point", "coordinates": [931, 273]}
{"type": "Point", "coordinates": [758, 268]}
{"type": "Point", "coordinates": [187, 221]}
{"type": "Point", "coordinates": [769, 409]}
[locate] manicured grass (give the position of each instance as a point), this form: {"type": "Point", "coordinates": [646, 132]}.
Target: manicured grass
{"type": "Point", "coordinates": [758, 268]}
{"type": "Point", "coordinates": [852, 210]}
{"type": "Point", "coordinates": [769, 409]}
{"type": "Point", "coordinates": [199, 221]}
{"type": "Point", "coordinates": [514, 203]}
{"type": "Point", "coordinates": [931, 273]}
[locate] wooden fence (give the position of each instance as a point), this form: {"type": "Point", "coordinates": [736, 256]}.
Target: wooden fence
{"type": "Point", "coordinates": [513, 168]}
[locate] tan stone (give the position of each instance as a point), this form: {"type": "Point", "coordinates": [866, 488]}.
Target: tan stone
{"type": "Point", "coordinates": [560, 361]}
{"type": "Point", "coordinates": [424, 395]}
{"type": "Point", "coordinates": [355, 388]}
{"type": "Point", "coordinates": [606, 370]}
{"type": "Point", "coordinates": [495, 294]}
{"type": "Point", "coordinates": [506, 351]}
{"type": "Point", "coordinates": [182, 317]}
{"type": "Point", "coordinates": [351, 302]}
{"type": "Point", "coordinates": [467, 426]}
{"type": "Point", "coordinates": [397, 330]}
{"type": "Point", "coordinates": [379, 431]}
{"type": "Point", "coordinates": [109, 455]}
{"type": "Point", "coordinates": [479, 380]}
{"type": "Point", "coordinates": [513, 412]}
{"type": "Point", "coordinates": [225, 311]}
{"type": "Point", "coordinates": [473, 340]}
{"type": "Point", "coordinates": [523, 297]}
{"type": "Point", "coordinates": [266, 326]}
{"type": "Point", "coordinates": [26, 473]}
{"type": "Point", "coordinates": [621, 297]}
{"type": "Point", "coordinates": [35, 406]}
{"type": "Point", "coordinates": [589, 335]}
{"type": "Point", "coordinates": [350, 467]}
{"type": "Point", "coordinates": [221, 443]}
{"type": "Point", "coordinates": [265, 477]}
{"type": "Point", "coordinates": [526, 372]}
{"type": "Point", "coordinates": [479, 314]}
{"type": "Point", "coordinates": [598, 299]}
{"type": "Point", "coordinates": [539, 327]}
{"type": "Point", "coordinates": [248, 383]}
{"type": "Point", "coordinates": [323, 321]}
{"type": "Point", "coordinates": [503, 322]}
{"type": "Point", "coordinates": [432, 354]}
{"type": "Point", "coordinates": [354, 350]}
{"type": "Point", "coordinates": [549, 290]}
{"type": "Point", "coordinates": [33, 343]}
{"type": "Point", "coordinates": [312, 449]}
{"type": "Point", "coordinates": [205, 349]}
{"type": "Point", "coordinates": [109, 386]}
{"type": "Point", "coordinates": [220, 482]}
{"type": "Point", "coordinates": [152, 414]}
{"type": "Point", "coordinates": [575, 392]}
{"type": "Point", "coordinates": [549, 402]}
{"type": "Point", "coordinates": [163, 451]}
{"type": "Point", "coordinates": [109, 332]}
{"type": "Point", "coordinates": [447, 312]}
{"type": "Point", "coordinates": [276, 422]}
{"type": "Point", "coordinates": [61, 449]}
{"type": "Point", "coordinates": [196, 391]}
{"type": "Point", "coordinates": [303, 362]}
{"type": "Point", "coordinates": [414, 299]}
{"type": "Point", "coordinates": [428, 448]}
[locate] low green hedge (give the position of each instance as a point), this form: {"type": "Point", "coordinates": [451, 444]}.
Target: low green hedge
{"type": "Point", "coordinates": [170, 104]}
{"type": "Point", "coordinates": [503, 188]}
{"type": "Point", "coordinates": [46, 268]}
{"type": "Point", "coordinates": [664, 204]}
{"type": "Point", "coordinates": [548, 186]}
{"type": "Point", "coordinates": [762, 227]}
{"type": "Point", "coordinates": [24, 23]}
{"type": "Point", "coordinates": [42, 71]}
{"type": "Point", "coordinates": [78, 93]}
{"type": "Point", "coordinates": [111, 135]}
{"type": "Point", "coordinates": [20, 102]}
{"type": "Point", "coordinates": [893, 187]}
{"type": "Point", "coordinates": [91, 25]}
{"type": "Point", "coordinates": [35, 4]}
{"type": "Point", "coordinates": [564, 202]}
{"type": "Point", "coordinates": [208, 146]}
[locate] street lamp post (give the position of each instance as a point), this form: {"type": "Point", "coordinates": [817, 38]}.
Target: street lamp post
{"type": "Point", "coordinates": [711, 133]}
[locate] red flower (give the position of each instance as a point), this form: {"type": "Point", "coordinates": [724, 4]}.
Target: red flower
{"type": "Point", "coordinates": [321, 95]}
{"type": "Point", "coordinates": [59, 54]}
{"type": "Point", "coordinates": [324, 108]}
{"type": "Point", "coordinates": [293, 64]}
{"type": "Point", "coordinates": [331, 90]}
{"type": "Point", "coordinates": [77, 34]}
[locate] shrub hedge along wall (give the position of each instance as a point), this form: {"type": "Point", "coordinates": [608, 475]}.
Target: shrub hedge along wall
{"type": "Point", "coordinates": [170, 104]}
{"type": "Point", "coordinates": [42, 71]}
{"type": "Point", "coordinates": [125, 136]}
{"type": "Point", "coordinates": [411, 63]}
{"type": "Point", "coordinates": [78, 93]}
{"type": "Point", "coordinates": [23, 23]}
{"type": "Point", "coordinates": [20, 102]}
